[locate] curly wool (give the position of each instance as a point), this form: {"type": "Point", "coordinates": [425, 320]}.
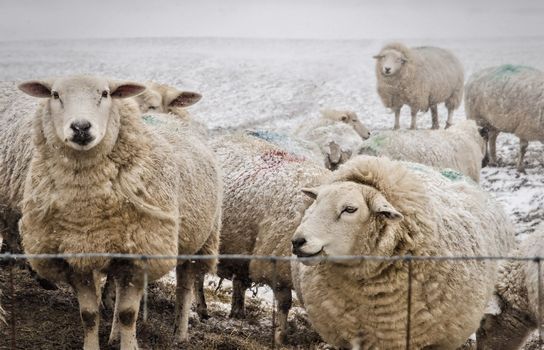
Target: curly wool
{"type": "Point", "coordinates": [507, 98]}
{"type": "Point", "coordinates": [517, 300]}
{"type": "Point", "coordinates": [460, 147]}
{"type": "Point", "coordinates": [442, 216]}
{"type": "Point", "coordinates": [133, 208]}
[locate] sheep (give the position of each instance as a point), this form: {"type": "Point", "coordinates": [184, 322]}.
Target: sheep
{"type": "Point", "coordinates": [103, 180]}
{"type": "Point", "coordinates": [261, 209]}
{"type": "Point", "coordinates": [380, 207]}
{"type": "Point", "coordinates": [507, 98]}
{"type": "Point", "coordinates": [513, 312]}
{"type": "Point", "coordinates": [420, 77]}
{"type": "Point", "coordinates": [166, 99]}
{"type": "Point", "coordinates": [461, 147]}
{"type": "Point", "coordinates": [337, 133]}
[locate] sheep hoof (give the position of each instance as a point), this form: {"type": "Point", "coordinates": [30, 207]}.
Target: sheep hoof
{"type": "Point", "coordinates": [448, 125]}
{"type": "Point", "coordinates": [203, 315]}
{"type": "Point", "coordinates": [435, 127]}
{"type": "Point", "coordinates": [45, 284]}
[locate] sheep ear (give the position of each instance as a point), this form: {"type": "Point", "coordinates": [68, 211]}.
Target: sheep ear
{"type": "Point", "coordinates": [36, 88]}
{"type": "Point", "coordinates": [310, 192]}
{"type": "Point", "coordinates": [376, 57]}
{"type": "Point", "coordinates": [380, 206]}
{"type": "Point", "coordinates": [185, 99]}
{"type": "Point", "coordinates": [404, 59]}
{"type": "Point", "coordinates": [124, 89]}
{"type": "Point", "coordinates": [493, 306]}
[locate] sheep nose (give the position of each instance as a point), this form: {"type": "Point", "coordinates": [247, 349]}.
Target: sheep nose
{"type": "Point", "coordinates": [387, 69]}
{"type": "Point", "coordinates": [298, 243]}
{"type": "Point", "coordinates": [80, 127]}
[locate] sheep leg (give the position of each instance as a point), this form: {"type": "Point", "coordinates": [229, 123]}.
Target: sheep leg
{"type": "Point", "coordinates": [449, 121]}
{"type": "Point", "coordinates": [86, 290]}
{"type": "Point", "coordinates": [284, 299]}
{"type": "Point", "coordinates": [184, 291]}
{"type": "Point", "coordinates": [493, 133]}
{"type": "Point", "coordinates": [523, 144]}
{"type": "Point", "coordinates": [413, 123]}
{"type": "Point", "coordinates": [397, 119]}
{"type": "Point", "coordinates": [239, 287]}
{"type": "Point", "coordinates": [131, 288]}
{"type": "Point", "coordinates": [201, 307]}
{"type": "Point", "coordinates": [109, 293]}
{"type": "Point", "coordinates": [434, 117]}
{"type": "Point", "coordinates": [115, 331]}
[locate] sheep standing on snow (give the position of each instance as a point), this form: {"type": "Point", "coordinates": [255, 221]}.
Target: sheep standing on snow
{"type": "Point", "coordinates": [261, 209]}
{"type": "Point", "coordinates": [420, 77]}
{"type": "Point", "coordinates": [509, 99]}
{"type": "Point", "coordinates": [101, 180]}
{"type": "Point", "coordinates": [515, 305]}
{"type": "Point", "coordinates": [376, 206]}
{"type": "Point", "coordinates": [461, 147]}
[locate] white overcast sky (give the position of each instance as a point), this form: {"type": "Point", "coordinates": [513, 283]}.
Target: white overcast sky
{"type": "Point", "coordinates": [332, 19]}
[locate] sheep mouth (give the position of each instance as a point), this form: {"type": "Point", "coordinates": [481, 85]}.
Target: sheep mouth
{"type": "Point", "coordinates": [301, 254]}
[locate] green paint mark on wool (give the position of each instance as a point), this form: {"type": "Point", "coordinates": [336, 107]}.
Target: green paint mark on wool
{"type": "Point", "coordinates": [451, 174]}
{"type": "Point", "coordinates": [509, 69]}
{"type": "Point", "coordinates": [151, 120]}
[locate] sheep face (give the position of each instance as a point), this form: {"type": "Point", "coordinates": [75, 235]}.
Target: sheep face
{"type": "Point", "coordinates": [345, 218]}
{"type": "Point", "coordinates": [164, 99]}
{"type": "Point", "coordinates": [347, 117]}
{"type": "Point", "coordinates": [390, 62]}
{"type": "Point", "coordinates": [79, 108]}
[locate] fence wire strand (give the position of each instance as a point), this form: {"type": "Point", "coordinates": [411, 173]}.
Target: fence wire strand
{"type": "Point", "coordinates": [408, 259]}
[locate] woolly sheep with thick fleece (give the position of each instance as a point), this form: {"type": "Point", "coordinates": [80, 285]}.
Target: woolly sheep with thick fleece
{"type": "Point", "coordinates": [513, 313]}
{"type": "Point", "coordinates": [376, 206]}
{"type": "Point", "coordinates": [102, 180]}
{"type": "Point", "coordinates": [507, 98]}
{"type": "Point", "coordinates": [461, 147]}
{"type": "Point", "coordinates": [420, 77]}
{"type": "Point", "coordinates": [261, 210]}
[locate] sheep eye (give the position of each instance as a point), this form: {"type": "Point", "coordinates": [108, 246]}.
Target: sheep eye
{"type": "Point", "coordinates": [153, 108]}
{"type": "Point", "coordinates": [55, 95]}
{"type": "Point", "coordinates": [349, 210]}
{"type": "Point", "coordinates": [105, 94]}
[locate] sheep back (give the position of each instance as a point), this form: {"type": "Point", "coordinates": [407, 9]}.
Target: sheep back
{"type": "Point", "coordinates": [262, 203]}
{"type": "Point", "coordinates": [460, 147]}
{"type": "Point", "coordinates": [508, 98]}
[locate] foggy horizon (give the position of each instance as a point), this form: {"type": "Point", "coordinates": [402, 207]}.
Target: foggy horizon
{"type": "Point", "coordinates": [22, 20]}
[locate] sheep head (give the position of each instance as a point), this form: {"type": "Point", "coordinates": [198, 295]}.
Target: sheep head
{"type": "Point", "coordinates": [80, 107]}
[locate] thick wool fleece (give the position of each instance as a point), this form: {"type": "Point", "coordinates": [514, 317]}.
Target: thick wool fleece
{"type": "Point", "coordinates": [442, 216]}
{"type": "Point", "coordinates": [460, 147]}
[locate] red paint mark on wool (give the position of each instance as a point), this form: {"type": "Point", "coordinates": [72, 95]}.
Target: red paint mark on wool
{"type": "Point", "coordinates": [276, 158]}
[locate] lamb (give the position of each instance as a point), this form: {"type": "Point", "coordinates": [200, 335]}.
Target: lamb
{"type": "Point", "coordinates": [420, 77]}
{"type": "Point", "coordinates": [380, 207]}
{"type": "Point", "coordinates": [261, 209]}
{"type": "Point", "coordinates": [166, 99]}
{"type": "Point", "coordinates": [513, 313]}
{"type": "Point", "coordinates": [337, 133]}
{"type": "Point", "coordinates": [101, 180]}
{"type": "Point", "coordinates": [461, 147]}
{"type": "Point", "coordinates": [507, 98]}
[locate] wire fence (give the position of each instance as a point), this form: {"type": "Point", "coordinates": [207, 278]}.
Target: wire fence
{"type": "Point", "coordinates": [408, 260]}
